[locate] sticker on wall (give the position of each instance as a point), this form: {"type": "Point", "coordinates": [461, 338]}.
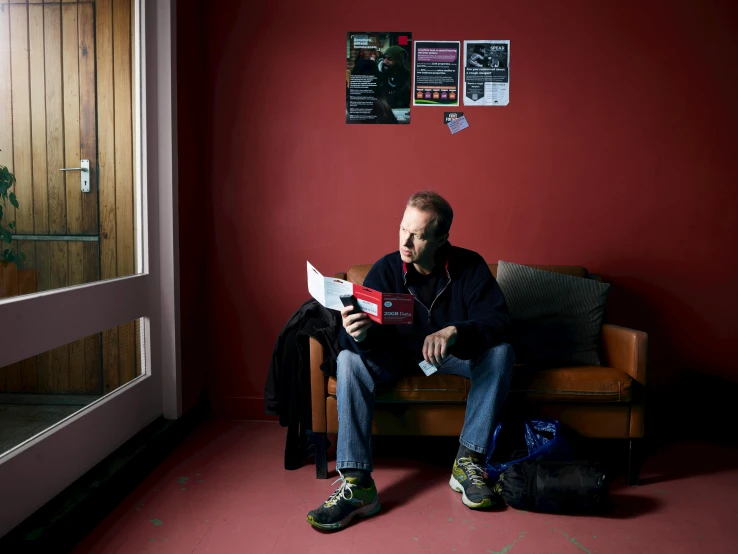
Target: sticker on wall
{"type": "Point", "coordinates": [448, 116]}
{"type": "Point", "coordinates": [378, 78]}
{"type": "Point", "coordinates": [486, 72]}
{"type": "Point", "coordinates": [458, 124]}
{"type": "Point", "coordinates": [436, 73]}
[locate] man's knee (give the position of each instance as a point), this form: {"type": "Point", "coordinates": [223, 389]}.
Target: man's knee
{"type": "Point", "coordinates": [347, 358]}
{"type": "Point", "coordinates": [500, 357]}
{"type": "Point", "coordinates": [349, 365]}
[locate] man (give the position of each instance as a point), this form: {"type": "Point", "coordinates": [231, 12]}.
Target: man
{"type": "Point", "coordinates": [476, 59]}
{"type": "Point", "coordinates": [459, 326]}
{"type": "Point", "coordinates": [394, 78]}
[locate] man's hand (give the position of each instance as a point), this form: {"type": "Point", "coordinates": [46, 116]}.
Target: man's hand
{"type": "Point", "coordinates": [356, 324]}
{"type": "Point", "coordinates": [435, 348]}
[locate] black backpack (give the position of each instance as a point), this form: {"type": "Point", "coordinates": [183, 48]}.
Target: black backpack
{"type": "Point", "coordinates": [554, 487]}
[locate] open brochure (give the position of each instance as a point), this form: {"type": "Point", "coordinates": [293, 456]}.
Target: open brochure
{"type": "Point", "coordinates": [382, 307]}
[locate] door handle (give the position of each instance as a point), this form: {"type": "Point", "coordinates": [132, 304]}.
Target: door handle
{"type": "Point", "coordinates": [84, 179]}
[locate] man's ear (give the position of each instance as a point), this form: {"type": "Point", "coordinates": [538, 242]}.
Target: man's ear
{"type": "Point", "coordinates": [443, 239]}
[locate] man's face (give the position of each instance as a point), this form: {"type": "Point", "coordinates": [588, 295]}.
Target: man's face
{"type": "Point", "coordinates": [418, 243]}
{"type": "Point", "coordinates": [388, 64]}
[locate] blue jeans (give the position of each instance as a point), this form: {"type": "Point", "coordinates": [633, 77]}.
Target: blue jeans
{"type": "Point", "coordinates": [490, 376]}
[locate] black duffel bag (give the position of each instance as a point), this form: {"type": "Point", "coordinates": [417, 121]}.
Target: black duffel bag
{"type": "Point", "coordinates": [554, 487]}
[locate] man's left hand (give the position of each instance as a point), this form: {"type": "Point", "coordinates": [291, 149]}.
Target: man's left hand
{"type": "Point", "coordinates": [435, 348]}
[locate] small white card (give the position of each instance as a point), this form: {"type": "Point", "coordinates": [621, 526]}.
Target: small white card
{"type": "Point", "coordinates": [428, 368]}
{"type": "Point", "coordinates": [458, 124]}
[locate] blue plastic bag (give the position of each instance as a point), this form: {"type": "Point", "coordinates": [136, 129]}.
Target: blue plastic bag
{"type": "Point", "coordinates": [544, 441]}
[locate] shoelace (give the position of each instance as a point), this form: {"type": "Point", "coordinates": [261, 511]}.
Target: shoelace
{"type": "Point", "coordinates": [341, 491]}
{"type": "Point", "coordinates": [473, 470]}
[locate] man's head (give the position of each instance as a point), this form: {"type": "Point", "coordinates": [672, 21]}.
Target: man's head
{"type": "Point", "coordinates": [424, 229]}
{"type": "Point", "coordinates": [393, 58]}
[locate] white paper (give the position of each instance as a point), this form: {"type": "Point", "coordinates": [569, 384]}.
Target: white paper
{"type": "Point", "coordinates": [368, 307]}
{"type": "Point", "coordinates": [327, 290]}
{"type": "Point", "coordinates": [428, 368]}
{"type": "Point", "coordinates": [458, 124]}
{"type": "Point", "coordinates": [486, 72]}
{"type": "Point", "coordinates": [316, 284]}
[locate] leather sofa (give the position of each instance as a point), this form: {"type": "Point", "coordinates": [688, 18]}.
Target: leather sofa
{"type": "Point", "coordinates": [604, 401]}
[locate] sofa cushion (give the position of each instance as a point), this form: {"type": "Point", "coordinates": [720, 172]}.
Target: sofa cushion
{"type": "Point", "coordinates": [573, 270]}
{"type": "Point", "coordinates": [561, 384]}
{"type": "Point", "coordinates": [556, 318]}
{"type": "Point", "coordinates": [419, 388]}
{"type": "Point", "coordinates": [583, 383]}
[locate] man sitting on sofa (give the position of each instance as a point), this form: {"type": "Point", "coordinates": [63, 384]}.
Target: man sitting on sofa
{"type": "Point", "coordinates": [460, 326]}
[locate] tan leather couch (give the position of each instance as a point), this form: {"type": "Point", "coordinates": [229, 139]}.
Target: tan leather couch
{"type": "Point", "coordinates": [596, 401]}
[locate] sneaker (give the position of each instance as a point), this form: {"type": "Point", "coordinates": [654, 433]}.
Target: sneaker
{"type": "Point", "coordinates": [349, 500]}
{"type": "Point", "coordinates": [468, 479]}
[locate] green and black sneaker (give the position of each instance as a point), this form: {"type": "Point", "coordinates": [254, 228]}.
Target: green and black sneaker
{"type": "Point", "coordinates": [349, 500]}
{"type": "Point", "coordinates": [468, 479]}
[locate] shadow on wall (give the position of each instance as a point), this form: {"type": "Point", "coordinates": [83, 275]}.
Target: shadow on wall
{"type": "Point", "coordinates": [683, 400]}
{"type": "Point", "coordinates": [196, 339]}
{"type": "Point", "coordinates": [239, 315]}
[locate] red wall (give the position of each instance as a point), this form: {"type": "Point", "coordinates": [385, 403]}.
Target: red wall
{"type": "Point", "coordinates": [617, 152]}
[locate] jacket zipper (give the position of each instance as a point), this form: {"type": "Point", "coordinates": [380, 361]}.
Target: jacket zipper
{"type": "Point", "coordinates": [404, 279]}
{"type": "Point", "coordinates": [436, 298]}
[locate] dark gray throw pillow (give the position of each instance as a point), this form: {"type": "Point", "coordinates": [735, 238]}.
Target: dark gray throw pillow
{"type": "Point", "coordinates": [556, 318]}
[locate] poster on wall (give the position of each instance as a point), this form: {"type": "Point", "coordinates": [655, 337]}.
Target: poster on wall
{"type": "Point", "coordinates": [378, 78]}
{"type": "Point", "coordinates": [486, 72]}
{"type": "Point", "coordinates": [436, 73]}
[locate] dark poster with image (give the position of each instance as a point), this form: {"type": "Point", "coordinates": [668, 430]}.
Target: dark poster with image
{"type": "Point", "coordinates": [378, 78]}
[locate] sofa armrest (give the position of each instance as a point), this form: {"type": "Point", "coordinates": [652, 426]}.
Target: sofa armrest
{"type": "Point", "coordinates": [341, 275]}
{"type": "Point", "coordinates": [626, 349]}
{"type": "Point", "coordinates": [318, 387]}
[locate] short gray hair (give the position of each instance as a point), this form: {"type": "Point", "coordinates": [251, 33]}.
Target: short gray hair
{"type": "Point", "coordinates": [429, 201]}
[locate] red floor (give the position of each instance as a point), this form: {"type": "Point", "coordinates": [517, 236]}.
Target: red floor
{"type": "Point", "coordinates": [225, 491]}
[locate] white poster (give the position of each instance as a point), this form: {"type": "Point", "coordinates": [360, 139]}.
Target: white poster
{"type": "Point", "coordinates": [486, 72]}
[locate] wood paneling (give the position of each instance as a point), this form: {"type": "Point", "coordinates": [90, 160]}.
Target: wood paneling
{"type": "Point", "coordinates": [6, 102]}
{"type": "Point", "coordinates": [38, 119]}
{"type": "Point", "coordinates": [106, 139]}
{"type": "Point", "coordinates": [54, 120]}
{"type": "Point", "coordinates": [20, 91]}
{"type": "Point", "coordinates": [54, 365]}
{"type": "Point", "coordinates": [88, 131]}
{"type": "Point", "coordinates": [123, 145]}
{"type": "Point", "coordinates": [36, 370]}
{"type": "Point", "coordinates": [123, 135]}
{"type": "Point", "coordinates": [111, 378]}
{"type": "Point", "coordinates": [66, 92]}
{"type": "Point", "coordinates": [8, 281]}
{"type": "Point", "coordinates": [70, 85]}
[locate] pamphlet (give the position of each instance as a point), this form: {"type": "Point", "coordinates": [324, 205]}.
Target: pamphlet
{"type": "Point", "coordinates": [382, 307]}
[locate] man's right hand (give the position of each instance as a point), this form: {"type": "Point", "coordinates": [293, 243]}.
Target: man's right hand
{"type": "Point", "coordinates": [356, 324]}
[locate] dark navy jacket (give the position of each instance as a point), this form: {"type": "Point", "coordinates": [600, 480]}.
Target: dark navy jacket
{"type": "Point", "coordinates": [467, 297]}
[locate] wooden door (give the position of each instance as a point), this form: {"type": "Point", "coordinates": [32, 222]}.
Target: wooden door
{"type": "Point", "coordinates": [53, 82]}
